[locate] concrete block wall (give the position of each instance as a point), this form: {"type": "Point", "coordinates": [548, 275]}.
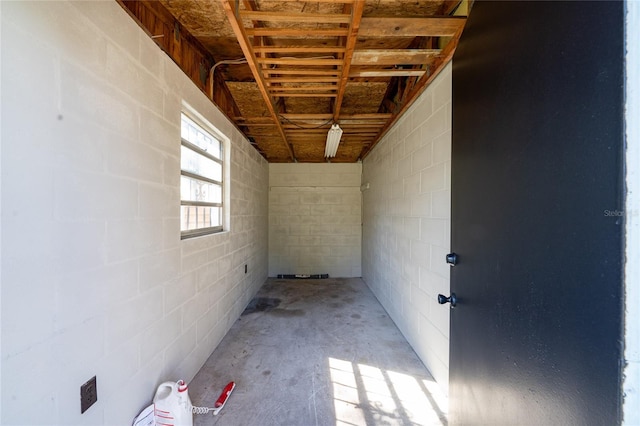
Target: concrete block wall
{"type": "Point", "coordinates": [95, 278]}
{"type": "Point", "coordinates": [407, 221]}
{"type": "Point", "coordinates": [315, 219]}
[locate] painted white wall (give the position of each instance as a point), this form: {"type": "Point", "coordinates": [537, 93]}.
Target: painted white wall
{"type": "Point", "coordinates": [632, 268]}
{"type": "Point", "coordinates": [95, 278]}
{"type": "Point", "coordinates": [407, 221]}
{"type": "Point", "coordinates": [315, 219]}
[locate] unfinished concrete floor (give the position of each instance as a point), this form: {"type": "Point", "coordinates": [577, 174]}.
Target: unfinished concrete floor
{"type": "Point", "coordinates": [317, 352]}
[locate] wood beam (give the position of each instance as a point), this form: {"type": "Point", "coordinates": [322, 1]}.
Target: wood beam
{"type": "Point", "coordinates": [370, 116]}
{"type": "Point", "coordinates": [411, 27]}
{"type": "Point", "coordinates": [302, 117]}
{"type": "Point", "coordinates": [300, 61]}
{"type": "Point", "coordinates": [387, 73]}
{"type": "Point", "coordinates": [320, 88]}
{"type": "Point", "coordinates": [305, 95]}
{"type": "Point", "coordinates": [246, 47]}
{"type": "Point", "coordinates": [298, 49]}
{"type": "Point", "coordinates": [293, 71]}
{"type": "Point", "coordinates": [352, 37]}
{"type": "Point", "coordinates": [314, 18]}
{"type": "Point", "coordinates": [393, 56]}
{"type": "Point", "coordinates": [425, 80]}
{"type": "Point", "coordinates": [302, 80]}
{"type": "Point", "coordinates": [294, 32]}
{"type": "Point", "coordinates": [185, 50]}
{"type": "Point", "coordinates": [450, 6]}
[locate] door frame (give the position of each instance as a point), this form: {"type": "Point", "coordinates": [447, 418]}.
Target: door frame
{"type": "Point", "coordinates": [631, 386]}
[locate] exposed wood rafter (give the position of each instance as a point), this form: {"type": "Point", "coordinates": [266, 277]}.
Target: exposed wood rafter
{"type": "Point", "coordinates": [359, 63]}
{"type": "Point", "coordinates": [245, 45]}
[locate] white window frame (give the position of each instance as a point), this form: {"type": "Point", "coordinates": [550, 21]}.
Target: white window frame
{"type": "Point", "coordinates": [215, 134]}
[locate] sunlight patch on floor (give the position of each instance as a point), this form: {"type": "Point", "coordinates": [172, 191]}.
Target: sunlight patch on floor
{"type": "Point", "coordinates": [364, 394]}
{"type": "Point", "coordinates": [345, 393]}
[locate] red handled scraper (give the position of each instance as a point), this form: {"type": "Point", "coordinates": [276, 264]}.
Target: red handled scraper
{"type": "Point", "coordinates": [224, 396]}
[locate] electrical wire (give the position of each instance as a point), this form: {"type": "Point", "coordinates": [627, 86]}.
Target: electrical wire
{"type": "Point", "coordinates": [225, 62]}
{"type": "Point", "coordinates": [329, 121]}
{"type": "Point", "coordinates": [201, 410]}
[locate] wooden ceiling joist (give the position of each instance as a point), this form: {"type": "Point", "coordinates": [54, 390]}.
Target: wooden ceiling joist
{"type": "Point", "coordinates": [305, 95]}
{"type": "Point", "coordinates": [373, 116]}
{"type": "Point", "coordinates": [294, 32]}
{"type": "Point", "coordinates": [422, 83]}
{"type": "Point", "coordinates": [313, 18]}
{"type": "Point", "coordinates": [354, 27]}
{"type": "Point", "coordinates": [300, 71]}
{"type": "Point", "coordinates": [310, 61]}
{"type": "Point", "coordinates": [300, 61]}
{"type": "Point", "coordinates": [387, 73]}
{"type": "Point", "coordinates": [394, 56]}
{"type": "Point", "coordinates": [303, 88]}
{"type": "Point", "coordinates": [302, 80]}
{"type": "Point", "coordinates": [298, 49]}
{"type": "Point", "coordinates": [245, 45]}
{"type": "Point", "coordinates": [395, 26]}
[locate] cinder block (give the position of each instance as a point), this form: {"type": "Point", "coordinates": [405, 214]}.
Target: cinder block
{"type": "Point", "coordinates": [442, 147]}
{"type": "Point", "coordinates": [434, 231]}
{"type": "Point", "coordinates": [159, 268]}
{"type": "Point", "coordinates": [421, 158]}
{"type": "Point", "coordinates": [404, 166]}
{"type": "Point", "coordinates": [423, 108]}
{"type": "Point", "coordinates": [440, 319]}
{"type": "Point", "coordinates": [181, 347]}
{"type": "Point", "coordinates": [128, 239]}
{"type": "Point", "coordinates": [437, 124]}
{"type": "Point", "coordinates": [194, 261]}
{"type": "Point", "coordinates": [441, 204]}
{"type": "Point", "coordinates": [442, 90]}
{"type": "Point", "coordinates": [438, 264]}
{"type": "Point", "coordinates": [433, 178]}
{"type": "Point", "coordinates": [412, 185]}
{"type": "Point", "coordinates": [130, 318]}
{"type": "Point", "coordinates": [299, 229]}
{"type": "Point", "coordinates": [35, 376]}
{"type": "Point", "coordinates": [91, 196]}
{"type": "Point", "coordinates": [411, 228]}
{"type": "Point", "coordinates": [158, 201]}
{"type": "Point", "coordinates": [207, 275]}
{"type": "Point", "coordinates": [421, 254]}
{"type": "Point", "coordinates": [413, 141]}
{"type": "Point", "coordinates": [397, 257]}
{"type": "Point", "coordinates": [421, 205]}
{"type": "Point", "coordinates": [420, 301]}
{"type": "Point", "coordinates": [159, 334]}
{"type": "Point", "coordinates": [110, 228]}
{"type": "Point", "coordinates": [159, 133]}
{"type": "Point", "coordinates": [194, 309]}
{"type": "Point", "coordinates": [89, 97]}
{"type": "Point", "coordinates": [129, 158]}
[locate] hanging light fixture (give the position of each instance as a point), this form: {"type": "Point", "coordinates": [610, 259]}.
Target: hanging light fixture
{"type": "Point", "coordinates": [333, 140]}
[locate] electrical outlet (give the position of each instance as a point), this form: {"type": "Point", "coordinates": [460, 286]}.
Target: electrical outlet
{"type": "Point", "coordinates": [245, 268]}
{"type": "Point", "coordinates": [88, 394]}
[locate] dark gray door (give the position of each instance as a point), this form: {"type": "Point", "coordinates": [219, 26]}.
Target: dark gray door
{"type": "Point", "coordinates": [537, 221]}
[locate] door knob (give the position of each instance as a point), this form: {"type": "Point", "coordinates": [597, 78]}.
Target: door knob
{"type": "Point", "coordinates": [452, 259]}
{"type": "Point", "coordinates": [442, 299]}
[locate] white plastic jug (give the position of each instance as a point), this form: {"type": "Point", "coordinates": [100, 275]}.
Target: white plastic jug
{"type": "Point", "coordinates": [172, 406]}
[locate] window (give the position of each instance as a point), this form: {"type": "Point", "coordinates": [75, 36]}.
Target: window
{"type": "Point", "coordinates": [201, 180]}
